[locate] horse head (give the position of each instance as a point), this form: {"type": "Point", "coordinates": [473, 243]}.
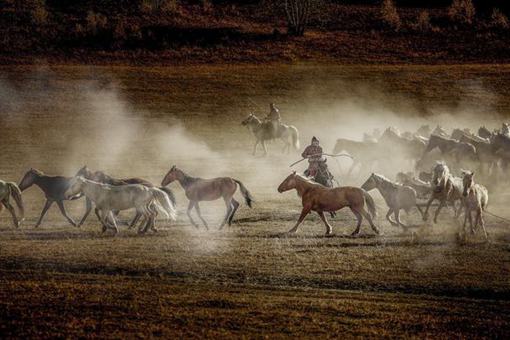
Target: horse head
{"type": "Point", "coordinates": [250, 120]}
{"type": "Point", "coordinates": [288, 183]}
{"type": "Point", "coordinates": [75, 187]}
{"type": "Point", "coordinates": [440, 174]}
{"type": "Point", "coordinates": [370, 183]}
{"type": "Point", "coordinates": [467, 181]}
{"type": "Point", "coordinates": [85, 172]}
{"type": "Point", "coordinates": [29, 178]}
{"type": "Point", "coordinates": [171, 176]}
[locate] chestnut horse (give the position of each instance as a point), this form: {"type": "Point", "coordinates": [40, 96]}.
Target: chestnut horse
{"type": "Point", "coordinates": [198, 189]}
{"type": "Point", "coordinates": [321, 199]}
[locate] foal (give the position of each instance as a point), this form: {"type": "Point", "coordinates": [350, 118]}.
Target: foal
{"type": "Point", "coordinates": [476, 198]}
{"type": "Point", "coordinates": [8, 190]}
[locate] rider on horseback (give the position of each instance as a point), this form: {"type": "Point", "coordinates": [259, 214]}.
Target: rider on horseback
{"type": "Point", "coordinates": [274, 118]}
{"type": "Point", "coordinates": [313, 153]}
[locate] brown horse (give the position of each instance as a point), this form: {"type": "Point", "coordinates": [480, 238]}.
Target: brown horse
{"type": "Point", "coordinates": [321, 199]}
{"type": "Point", "coordinates": [101, 177]}
{"type": "Point", "coordinates": [198, 189]}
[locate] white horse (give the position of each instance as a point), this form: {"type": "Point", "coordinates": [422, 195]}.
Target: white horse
{"type": "Point", "coordinates": [396, 196]}
{"type": "Point", "coordinates": [109, 198]}
{"type": "Point", "coordinates": [446, 188]}
{"type": "Point", "coordinates": [476, 198]}
{"type": "Point", "coordinates": [264, 131]}
{"type": "Point", "coordinates": [8, 190]}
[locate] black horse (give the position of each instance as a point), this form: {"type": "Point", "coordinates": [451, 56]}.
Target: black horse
{"type": "Point", "coordinates": [54, 188]}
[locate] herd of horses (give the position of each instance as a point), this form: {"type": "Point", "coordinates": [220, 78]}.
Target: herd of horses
{"type": "Point", "coordinates": [111, 195]}
{"type": "Point", "coordinates": [486, 152]}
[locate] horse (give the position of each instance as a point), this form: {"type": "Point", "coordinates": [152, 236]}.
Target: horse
{"type": "Point", "coordinates": [264, 131]}
{"type": "Point", "coordinates": [198, 189]}
{"type": "Point", "coordinates": [53, 187]}
{"type": "Point", "coordinates": [396, 196]}
{"type": "Point", "coordinates": [321, 199]}
{"type": "Point", "coordinates": [476, 198]}
{"type": "Point", "coordinates": [440, 131]}
{"type": "Point", "coordinates": [484, 150]}
{"type": "Point", "coordinates": [424, 131]}
{"type": "Point", "coordinates": [409, 148]}
{"type": "Point", "coordinates": [101, 177]}
{"type": "Point", "coordinates": [8, 190]}
{"type": "Point", "coordinates": [446, 188]}
{"type": "Point", "coordinates": [110, 198]}
{"type": "Point", "coordinates": [457, 151]}
{"type": "Point", "coordinates": [364, 153]}
{"type": "Point", "coordinates": [421, 187]}
{"type": "Point", "coordinates": [484, 132]}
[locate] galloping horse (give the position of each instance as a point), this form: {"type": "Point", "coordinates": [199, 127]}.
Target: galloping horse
{"type": "Point", "coordinates": [101, 177]}
{"type": "Point", "coordinates": [110, 198]}
{"type": "Point", "coordinates": [8, 190]}
{"type": "Point", "coordinates": [54, 188]}
{"type": "Point", "coordinates": [396, 196]}
{"type": "Point", "coordinates": [321, 199]}
{"type": "Point", "coordinates": [264, 131]}
{"type": "Point", "coordinates": [476, 197]}
{"type": "Point", "coordinates": [446, 188]}
{"type": "Point", "coordinates": [198, 189]}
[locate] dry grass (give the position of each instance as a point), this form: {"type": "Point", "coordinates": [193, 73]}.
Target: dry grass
{"type": "Point", "coordinates": [247, 280]}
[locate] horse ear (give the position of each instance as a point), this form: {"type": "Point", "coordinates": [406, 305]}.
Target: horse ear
{"type": "Point", "coordinates": [472, 174]}
{"type": "Point", "coordinates": [294, 172]}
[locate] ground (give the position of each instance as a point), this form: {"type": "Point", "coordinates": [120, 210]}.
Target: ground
{"type": "Point", "coordinates": [251, 279]}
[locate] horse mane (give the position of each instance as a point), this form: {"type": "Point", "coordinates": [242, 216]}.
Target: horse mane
{"type": "Point", "coordinates": [186, 179]}
{"type": "Point", "coordinates": [36, 172]}
{"type": "Point", "coordinates": [386, 181]}
{"type": "Point", "coordinates": [306, 179]}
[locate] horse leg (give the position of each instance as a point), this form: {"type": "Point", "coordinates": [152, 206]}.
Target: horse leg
{"type": "Point", "coordinates": [88, 208]}
{"type": "Point", "coordinates": [419, 209]}
{"type": "Point", "coordinates": [100, 218]}
{"type": "Point", "coordinates": [188, 212]}
{"type": "Point", "coordinates": [228, 203]}
{"type": "Point", "coordinates": [197, 208]}
{"type": "Point", "coordinates": [43, 212]}
{"type": "Point", "coordinates": [235, 206]}
{"type": "Point", "coordinates": [135, 220]}
{"type": "Point", "coordinates": [13, 213]}
{"type": "Point", "coordinates": [388, 217]}
{"type": "Point", "coordinates": [370, 221]}
{"type": "Point", "coordinates": [441, 205]}
{"type": "Point", "coordinates": [360, 219]}
{"type": "Point", "coordinates": [465, 220]}
{"type": "Point", "coordinates": [64, 212]}
{"type": "Point", "coordinates": [397, 218]}
{"type": "Point", "coordinates": [329, 229]}
{"type": "Point", "coordinates": [255, 147]}
{"type": "Point", "coordinates": [264, 147]}
{"type": "Point", "coordinates": [482, 223]}
{"type": "Point", "coordinates": [304, 212]}
{"type": "Point", "coordinates": [471, 221]}
{"type": "Point", "coordinates": [426, 213]}
{"type": "Point", "coordinates": [110, 215]}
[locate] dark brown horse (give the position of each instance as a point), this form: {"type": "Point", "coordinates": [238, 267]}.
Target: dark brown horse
{"type": "Point", "coordinates": [321, 199]}
{"type": "Point", "coordinates": [54, 188]}
{"type": "Point", "coordinates": [198, 189]}
{"type": "Point", "coordinates": [101, 177]}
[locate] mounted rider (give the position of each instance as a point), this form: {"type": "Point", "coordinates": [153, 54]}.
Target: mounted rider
{"type": "Point", "coordinates": [274, 118]}
{"type": "Point", "coordinates": [316, 162]}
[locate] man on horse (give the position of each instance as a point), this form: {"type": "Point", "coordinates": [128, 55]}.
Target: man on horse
{"type": "Point", "coordinates": [274, 118]}
{"type": "Point", "coordinates": [316, 161]}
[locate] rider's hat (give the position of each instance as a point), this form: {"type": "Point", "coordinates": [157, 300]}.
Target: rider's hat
{"type": "Point", "coordinates": [314, 139]}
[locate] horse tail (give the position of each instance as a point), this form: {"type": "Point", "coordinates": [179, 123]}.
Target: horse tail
{"type": "Point", "coordinates": [16, 194]}
{"type": "Point", "coordinates": [248, 198]}
{"type": "Point", "coordinates": [295, 137]}
{"type": "Point", "coordinates": [163, 203]}
{"type": "Point", "coordinates": [370, 204]}
{"type": "Point", "coordinates": [170, 194]}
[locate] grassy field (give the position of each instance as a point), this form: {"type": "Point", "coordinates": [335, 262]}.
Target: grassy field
{"type": "Point", "coordinates": [249, 280]}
